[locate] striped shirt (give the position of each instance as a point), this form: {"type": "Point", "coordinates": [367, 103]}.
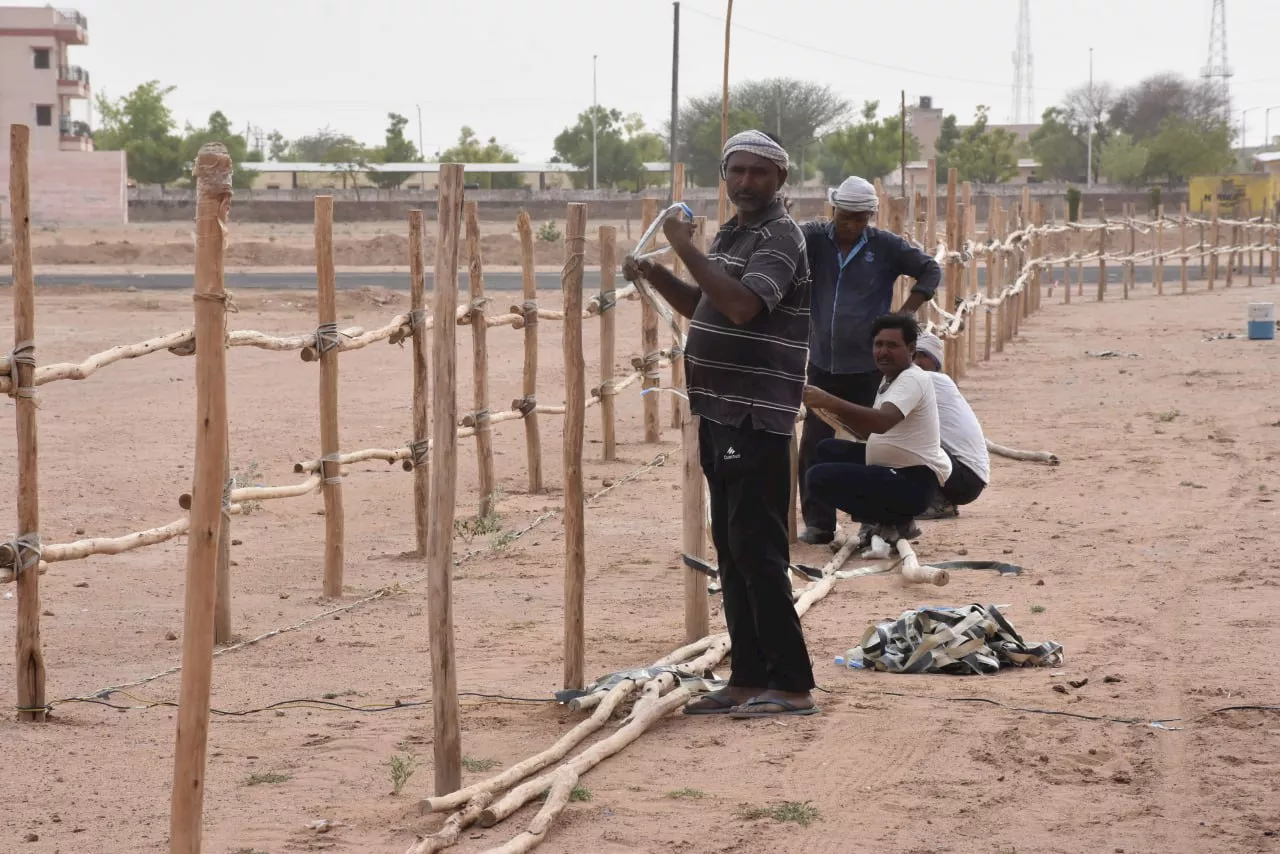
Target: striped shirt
{"type": "Point", "coordinates": [752, 376]}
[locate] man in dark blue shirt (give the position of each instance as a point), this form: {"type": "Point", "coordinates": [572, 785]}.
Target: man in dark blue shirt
{"type": "Point", "coordinates": [854, 268]}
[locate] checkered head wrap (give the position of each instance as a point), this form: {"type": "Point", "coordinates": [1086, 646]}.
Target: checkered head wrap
{"type": "Point", "coordinates": [757, 143]}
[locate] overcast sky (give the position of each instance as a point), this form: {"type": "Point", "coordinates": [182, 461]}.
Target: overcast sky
{"type": "Point", "coordinates": [522, 71]}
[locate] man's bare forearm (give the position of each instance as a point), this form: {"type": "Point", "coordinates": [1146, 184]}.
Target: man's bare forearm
{"type": "Point", "coordinates": [730, 297]}
{"type": "Point", "coordinates": [864, 420]}
{"type": "Point", "coordinates": [682, 296]}
{"type": "Point", "coordinates": [914, 300]}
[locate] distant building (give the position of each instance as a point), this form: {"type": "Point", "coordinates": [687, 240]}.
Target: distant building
{"type": "Point", "coordinates": [38, 82]}
{"type": "Point", "coordinates": [70, 182]}
{"type": "Point", "coordinates": [924, 122]}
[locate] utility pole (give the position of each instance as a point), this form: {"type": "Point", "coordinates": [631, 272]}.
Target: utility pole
{"type": "Point", "coordinates": [675, 94]}
{"type": "Point", "coordinates": [422, 150]}
{"type": "Point", "coordinates": [1266, 143]}
{"type": "Point", "coordinates": [1092, 110]}
{"type": "Point", "coordinates": [595, 181]}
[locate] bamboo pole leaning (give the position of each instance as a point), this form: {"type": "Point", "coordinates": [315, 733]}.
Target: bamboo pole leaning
{"type": "Point", "coordinates": [529, 376]}
{"type": "Point", "coordinates": [575, 567]}
{"type": "Point", "coordinates": [480, 365]}
{"type": "Point", "coordinates": [447, 745]}
{"type": "Point", "coordinates": [677, 358]}
{"type": "Point", "coordinates": [213, 188]}
{"type": "Point", "coordinates": [327, 340]}
{"type": "Point", "coordinates": [649, 346]}
{"type": "Point", "coordinates": [29, 656]}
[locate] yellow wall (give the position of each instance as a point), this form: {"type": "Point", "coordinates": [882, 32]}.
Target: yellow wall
{"type": "Point", "coordinates": [1258, 192]}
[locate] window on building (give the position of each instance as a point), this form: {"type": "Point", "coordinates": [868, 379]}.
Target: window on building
{"type": "Point", "coordinates": [44, 115]}
{"type": "Point", "coordinates": [41, 57]}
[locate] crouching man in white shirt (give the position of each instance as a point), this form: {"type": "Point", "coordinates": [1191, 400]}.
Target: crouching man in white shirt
{"type": "Point", "coordinates": [893, 477]}
{"type": "Point", "coordinates": [962, 439]}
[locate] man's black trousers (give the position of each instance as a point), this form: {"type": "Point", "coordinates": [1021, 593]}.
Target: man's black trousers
{"type": "Point", "coordinates": [855, 388]}
{"type": "Point", "coordinates": [749, 475]}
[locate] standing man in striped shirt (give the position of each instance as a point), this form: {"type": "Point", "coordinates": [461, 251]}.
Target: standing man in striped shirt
{"type": "Point", "coordinates": [745, 357]}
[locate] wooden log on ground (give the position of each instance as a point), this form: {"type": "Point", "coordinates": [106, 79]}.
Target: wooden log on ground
{"type": "Point", "coordinates": [213, 200]}
{"type": "Point", "coordinates": [914, 573]}
{"type": "Point", "coordinates": [607, 307]}
{"type": "Point", "coordinates": [529, 378]}
{"type": "Point", "coordinates": [480, 365]}
{"type": "Point", "coordinates": [649, 346]}
{"type": "Point", "coordinates": [420, 443]}
{"type": "Point", "coordinates": [500, 782]}
{"type": "Point", "coordinates": [575, 563]}
{"type": "Point", "coordinates": [1024, 456]}
{"type": "Point", "coordinates": [447, 746]}
{"type": "Point", "coordinates": [29, 656]}
{"type": "Point", "coordinates": [326, 344]}
{"type": "Point", "coordinates": [453, 827]}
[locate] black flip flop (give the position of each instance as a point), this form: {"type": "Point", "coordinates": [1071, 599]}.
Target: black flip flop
{"type": "Point", "coordinates": [787, 707]}
{"type": "Point", "coordinates": [723, 705]}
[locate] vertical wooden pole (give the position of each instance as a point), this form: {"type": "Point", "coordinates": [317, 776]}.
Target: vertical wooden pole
{"type": "Point", "coordinates": [327, 346]}
{"type": "Point", "coordinates": [421, 382]}
{"type": "Point", "coordinates": [1275, 244]}
{"type": "Point", "coordinates": [529, 290]}
{"type": "Point", "coordinates": [1232, 234]}
{"type": "Point", "coordinates": [649, 345]}
{"type": "Point", "coordinates": [575, 560]}
{"type": "Point", "coordinates": [993, 272]}
{"type": "Point", "coordinates": [722, 206]}
{"type": "Point", "coordinates": [608, 335]}
{"type": "Point", "coordinates": [29, 664]}
{"type": "Point", "coordinates": [1102, 250]}
{"type": "Point", "coordinates": [694, 503]}
{"type": "Point", "coordinates": [951, 271]}
{"type": "Point", "coordinates": [1068, 243]}
{"type": "Point", "coordinates": [1131, 267]}
{"type": "Point", "coordinates": [1215, 243]}
{"type": "Point", "coordinates": [1037, 247]}
{"type": "Point", "coordinates": [971, 287]}
{"type": "Point", "coordinates": [958, 343]}
{"type": "Point", "coordinates": [677, 359]}
{"type": "Point", "coordinates": [480, 364]}
{"type": "Point", "coordinates": [222, 567]}
{"type": "Point", "coordinates": [213, 201]}
{"type": "Point", "coordinates": [447, 746]}
{"type": "Point", "coordinates": [1248, 241]}
{"type": "Point", "coordinates": [1182, 246]}
{"type": "Point", "coordinates": [1157, 266]}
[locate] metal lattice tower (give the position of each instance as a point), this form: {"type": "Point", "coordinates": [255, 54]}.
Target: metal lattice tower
{"type": "Point", "coordinates": [1024, 99]}
{"type": "Point", "coordinates": [1217, 72]}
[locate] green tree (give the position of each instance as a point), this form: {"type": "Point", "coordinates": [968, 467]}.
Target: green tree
{"type": "Point", "coordinates": [470, 150]}
{"type": "Point", "coordinates": [870, 148]}
{"type": "Point", "coordinates": [797, 112]}
{"type": "Point", "coordinates": [1181, 150]}
{"type": "Point", "coordinates": [622, 144]}
{"type": "Point", "coordinates": [324, 146]}
{"type": "Point", "coordinates": [141, 125]}
{"type": "Point", "coordinates": [278, 146]}
{"type": "Point", "coordinates": [948, 136]}
{"type": "Point", "coordinates": [982, 155]}
{"type": "Point", "coordinates": [217, 130]}
{"type": "Point", "coordinates": [1059, 147]}
{"type": "Point", "coordinates": [395, 149]}
{"type": "Point", "coordinates": [1124, 161]}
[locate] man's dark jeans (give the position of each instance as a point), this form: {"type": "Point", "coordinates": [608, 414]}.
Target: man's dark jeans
{"type": "Point", "coordinates": [855, 388]}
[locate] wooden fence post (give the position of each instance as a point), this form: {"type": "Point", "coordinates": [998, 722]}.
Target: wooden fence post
{"type": "Point", "coordinates": [575, 561]}
{"type": "Point", "coordinates": [421, 383]}
{"type": "Point", "coordinates": [29, 665]}
{"type": "Point", "coordinates": [327, 341]}
{"type": "Point", "coordinates": [1102, 251]}
{"type": "Point", "coordinates": [213, 201]}
{"type": "Point", "coordinates": [1215, 243]}
{"type": "Point", "coordinates": [480, 365]}
{"type": "Point", "coordinates": [697, 618]}
{"type": "Point", "coordinates": [993, 272]}
{"type": "Point", "coordinates": [971, 289]}
{"type": "Point", "coordinates": [1067, 243]}
{"type": "Point", "coordinates": [444, 482]}
{"type": "Point", "coordinates": [1131, 266]}
{"type": "Point", "coordinates": [608, 336]}
{"type": "Point", "coordinates": [650, 359]}
{"type": "Point", "coordinates": [1275, 244]}
{"type": "Point", "coordinates": [951, 270]}
{"type": "Point", "coordinates": [529, 289]}
{"type": "Point", "coordinates": [678, 405]}
{"type": "Point", "coordinates": [1037, 249]}
{"type": "Point", "coordinates": [222, 567]}
{"type": "Point", "coordinates": [1157, 266]}
{"type": "Point", "coordinates": [1182, 241]}
{"type": "Point", "coordinates": [1232, 236]}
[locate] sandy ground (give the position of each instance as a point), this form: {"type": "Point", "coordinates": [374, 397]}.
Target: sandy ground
{"type": "Point", "coordinates": [1149, 553]}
